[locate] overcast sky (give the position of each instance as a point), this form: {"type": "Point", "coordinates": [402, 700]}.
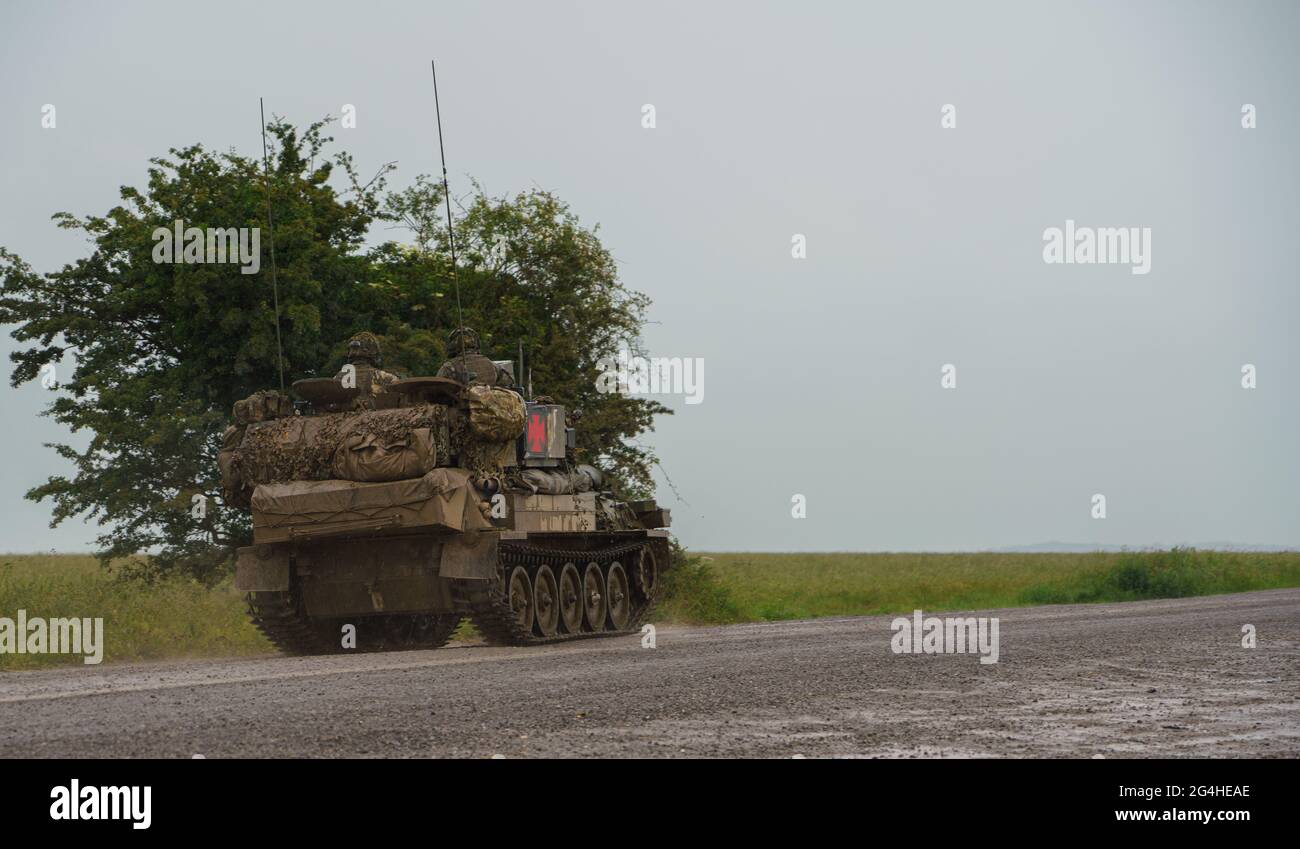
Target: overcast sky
{"type": "Point", "coordinates": [924, 243]}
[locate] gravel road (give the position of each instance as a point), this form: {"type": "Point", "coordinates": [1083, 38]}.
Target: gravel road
{"type": "Point", "coordinates": [1142, 679]}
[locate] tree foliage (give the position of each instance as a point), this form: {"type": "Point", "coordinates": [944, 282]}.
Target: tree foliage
{"type": "Point", "coordinates": [163, 350]}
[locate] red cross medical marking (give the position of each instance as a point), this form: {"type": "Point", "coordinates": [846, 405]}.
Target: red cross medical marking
{"type": "Point", "coordinates": [536, 433]}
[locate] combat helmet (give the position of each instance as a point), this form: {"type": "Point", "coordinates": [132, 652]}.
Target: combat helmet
{"type": "Point", "coordinates": [365, 346]}
{"type": "Point", "coordinates": [462, 340]}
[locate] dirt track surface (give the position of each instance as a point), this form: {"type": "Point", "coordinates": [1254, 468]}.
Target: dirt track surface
{"type": "Point", "coordinates": [1145, 679]}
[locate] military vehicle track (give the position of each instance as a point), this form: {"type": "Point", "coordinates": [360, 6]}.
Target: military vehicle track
{"type": "Point", "coordinates": [506, 612]}
{"type": "Point", "coordinates": [280, 618]}
{"type": "Point", "coordinates": [598, 592]}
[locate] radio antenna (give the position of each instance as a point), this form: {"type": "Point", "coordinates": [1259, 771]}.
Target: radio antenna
{"type": "Point", "coordinates": [270, 227]}
{"type": "Point", "coordinates": [446, 193]}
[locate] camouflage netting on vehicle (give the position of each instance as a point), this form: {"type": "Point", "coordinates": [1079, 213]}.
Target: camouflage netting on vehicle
{"type": "Point", "coordinates": [486, 459]}
{"type": "Point", "coordinates": [495, 415]}
{"type": "Point", "coordinates": [484, 441]}
{"type": "Point", "coordinates": [376, 445]}
{"type": "Point", "coordinates": [262, 407]}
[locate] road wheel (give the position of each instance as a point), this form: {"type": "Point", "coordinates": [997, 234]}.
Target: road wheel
{"type": "Point", "coordinates": [593, 597]}
{"type": "Point", "coordinates": [570, 598]}
{"type": "Point", "coordinates": [618, 595]}
{"type": "Point", "coordinates": [646, 572]}
{"type": "Point", "coordinates": [546, 597]}
{"type": "Point", "coordinates": [521, 598]}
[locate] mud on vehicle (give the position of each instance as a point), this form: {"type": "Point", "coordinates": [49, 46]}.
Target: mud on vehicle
{"type": "Point", "coordinates": [399, 508]}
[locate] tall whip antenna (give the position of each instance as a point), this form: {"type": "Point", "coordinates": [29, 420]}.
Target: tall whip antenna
{"type": "Point", "coordinates": [270, 226]}
{"type": "Point", "coordinates": [446, 193]}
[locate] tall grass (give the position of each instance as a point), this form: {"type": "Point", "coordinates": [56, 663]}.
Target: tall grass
{"type": "Point", "coordinates": [170, 617]}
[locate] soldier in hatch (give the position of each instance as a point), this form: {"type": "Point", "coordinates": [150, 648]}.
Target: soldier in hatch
{"type": "Point", "coordinates": [363, 369]}
{"type": "Point", "coordinates": [468, 365]}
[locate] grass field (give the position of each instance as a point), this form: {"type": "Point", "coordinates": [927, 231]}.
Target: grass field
{"type": "Point", "coordinates": [722, 588]}
{"type": "Point", "coordinates": [168, 618]}
{"type": "Point", "coordinates": [182, 618]}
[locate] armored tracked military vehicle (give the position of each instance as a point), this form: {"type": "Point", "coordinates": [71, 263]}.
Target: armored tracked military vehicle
{"type": "Point", "coordinates": [385, 511]}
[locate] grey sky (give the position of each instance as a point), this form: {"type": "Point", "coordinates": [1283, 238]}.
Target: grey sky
{"type": "Point", "coordinates": [924, 244]}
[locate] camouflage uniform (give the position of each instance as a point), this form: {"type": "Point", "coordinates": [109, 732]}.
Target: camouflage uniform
{"type": "Point", "coordinates": [365, 357]}
{"type": "Point", "coordinates": [468, 365]}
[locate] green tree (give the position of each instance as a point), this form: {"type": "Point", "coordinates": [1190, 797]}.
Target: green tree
{"type": "Point", "coordinates": [164, 350]}
{"type": "Point", "coordinates": [530, 274]}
